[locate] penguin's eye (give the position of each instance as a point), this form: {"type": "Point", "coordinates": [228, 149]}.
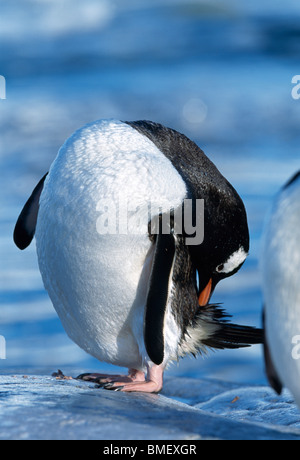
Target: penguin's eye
{"type": "Point", "coordinates": [233, 263]}
{"type": "Point", "coordinates": [220, 268]}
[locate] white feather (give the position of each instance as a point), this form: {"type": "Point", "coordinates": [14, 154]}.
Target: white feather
{"type": "Point", "coordinates": [98, 282]}
{"type": "Point", "coordinates": [281, 286]}
{"type": "Point", "coordinates": [234, 261]}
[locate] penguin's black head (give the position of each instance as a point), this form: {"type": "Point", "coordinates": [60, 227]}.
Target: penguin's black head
{"type": "Point", "coordinates": [226, 240]}
{"type": "Point", "coordinates": [226, 235]}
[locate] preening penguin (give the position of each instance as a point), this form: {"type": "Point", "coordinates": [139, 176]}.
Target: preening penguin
{"type": "Point", "coordinates": [130, 289]}
{"type": "Point", "coordinates": [280, 269]}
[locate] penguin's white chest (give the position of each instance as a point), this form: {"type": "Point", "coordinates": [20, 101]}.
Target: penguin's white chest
{"type": "Point", "coordinates": [281, 287]}
{"type": "Point", "coordinates": [92, 237]}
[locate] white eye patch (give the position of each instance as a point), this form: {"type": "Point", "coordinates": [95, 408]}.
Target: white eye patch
{"type": "Point", "coordinates": [234, 261]}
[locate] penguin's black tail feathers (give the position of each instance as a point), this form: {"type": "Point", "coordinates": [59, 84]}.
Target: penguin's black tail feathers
{"type": "Point", "coordinates": [234, 336]}
{"type": "Point", "coordinates": [211, 329]}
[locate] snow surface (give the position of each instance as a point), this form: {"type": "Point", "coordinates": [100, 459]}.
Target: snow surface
{"type": "Point", "coordinates": [41, 407]}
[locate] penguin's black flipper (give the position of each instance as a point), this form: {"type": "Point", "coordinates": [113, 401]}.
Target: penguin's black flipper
{"type": "Point", "coordinates": [271, 372]}
{"type": "Point", "coordinates": [292, 180]}
{"type": "Point", "coordinates": [157, 297]}
{"type": "Point", "coordinates": [26, 223]}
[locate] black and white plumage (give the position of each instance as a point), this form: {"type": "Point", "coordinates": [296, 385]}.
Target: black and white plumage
{"type": "Point", "coordinates": [281, 288]}
{"type": "Point", "coordinates": [137, 299]}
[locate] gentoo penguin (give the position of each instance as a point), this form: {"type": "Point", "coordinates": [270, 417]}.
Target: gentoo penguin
{"type": "Point", "coordinates": [129, 292]}
{"type": "Point", "coordinates": [281, 289]}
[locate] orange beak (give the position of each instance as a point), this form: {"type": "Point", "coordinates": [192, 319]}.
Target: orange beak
{"type": "Point", "coordinates": [205, 294]}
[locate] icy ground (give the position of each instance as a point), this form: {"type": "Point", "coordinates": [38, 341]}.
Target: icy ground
{"type": "Point", "coordinates": [43, 407]}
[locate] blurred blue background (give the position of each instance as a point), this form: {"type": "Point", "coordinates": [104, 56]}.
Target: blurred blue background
{"type": "Point", "coordinates": [218, 71]}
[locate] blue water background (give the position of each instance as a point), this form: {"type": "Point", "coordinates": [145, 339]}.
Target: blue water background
{"type": "Point", "coordinates": [218, 71]}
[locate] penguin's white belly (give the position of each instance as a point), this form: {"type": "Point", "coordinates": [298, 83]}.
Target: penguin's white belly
{"type": "Point", "coordinates": [281, 265]}
{"type": "Point", "coordinates": [98, 282]}
{"type": "Point", "coordinates": [94, 293]}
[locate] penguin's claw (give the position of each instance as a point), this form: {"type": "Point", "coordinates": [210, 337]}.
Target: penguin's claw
{"type": "Point", "coordinates": [145, 387]}
{"type": "Point", "coordinates": [112, 387]}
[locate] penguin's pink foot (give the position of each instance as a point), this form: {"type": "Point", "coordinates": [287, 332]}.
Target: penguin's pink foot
{"type": "Point", "coordinates": [133, 376]}
{"type": "Point", "coordinates": [153, 383]}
